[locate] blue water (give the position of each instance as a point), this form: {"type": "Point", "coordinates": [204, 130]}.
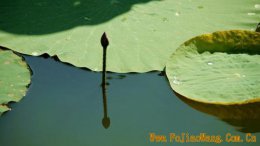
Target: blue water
{"type": "Point", "coordinates": [64, 107]}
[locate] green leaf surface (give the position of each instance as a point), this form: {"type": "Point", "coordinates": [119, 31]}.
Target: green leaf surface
{"type": "Point", "coordinates": [14, 78]}
{"type": "Point", "coordinates": [219, 68]}
{"type": "Point", "coordinates": [142, 33]}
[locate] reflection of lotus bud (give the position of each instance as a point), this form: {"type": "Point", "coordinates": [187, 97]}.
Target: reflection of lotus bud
{"type": "Point", "coordinates": [258, 28]}
{"type": "Point", "coordinates": [106, 122]}
{"type": "Point", "coordinates": [104, 40]}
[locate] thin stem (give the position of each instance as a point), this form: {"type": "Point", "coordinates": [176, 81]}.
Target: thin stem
{"type": "Point", "coordinates": [104, 83]}
{"type": "Point", "coordinates": [104, 43]}
{"type": "Point", "coordinates": [104, 67]}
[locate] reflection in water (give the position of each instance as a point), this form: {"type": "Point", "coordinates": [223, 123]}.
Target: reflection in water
{"type": "Point", "coordinates": [244, 117]}
{"type": "Point", "coordinates": [106, 119]}
{"type": "Point", "coordinates": [245, 125]}
{"type": "Point", "coordinates": [104, 43]}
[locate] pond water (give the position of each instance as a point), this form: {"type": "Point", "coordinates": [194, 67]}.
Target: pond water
{"type": "Point", "coordinates": [64, 107]}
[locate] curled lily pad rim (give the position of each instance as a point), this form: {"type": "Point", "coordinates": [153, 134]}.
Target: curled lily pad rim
{"type": "Point", "coordinates": [246, 102]}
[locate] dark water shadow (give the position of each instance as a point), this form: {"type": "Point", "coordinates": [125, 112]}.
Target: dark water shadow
{"type": "Point", "coordinates": [244, 117]}
{"type": "Point", "coordinates": [46, 16]}
{"type": "Point", "coordinates": [112, 76]}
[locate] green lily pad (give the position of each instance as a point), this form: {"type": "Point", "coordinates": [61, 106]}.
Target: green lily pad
{"type": "Point", "coordinates": [219, 68]}
{"type": "Point", "coordinates": [142, 33]}
{"type": "Point", "coordinates": [14, 78]}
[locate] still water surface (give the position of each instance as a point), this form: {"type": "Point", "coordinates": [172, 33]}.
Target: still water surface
{"type": "Point", "coordinates": [64, 107]}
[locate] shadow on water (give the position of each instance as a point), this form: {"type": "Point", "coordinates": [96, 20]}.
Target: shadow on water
{"type": "Point", "coordinates": [244, 117]}
{"type": "Point", "coordinates": [47, 16]}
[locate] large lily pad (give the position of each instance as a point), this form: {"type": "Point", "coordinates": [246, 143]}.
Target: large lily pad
{"type": "Point", "coordinates": [14, 78]}
{"type": "Point", "coordinates": [142, 33]}
{"type": "Point", "coordinates": [219, 68]}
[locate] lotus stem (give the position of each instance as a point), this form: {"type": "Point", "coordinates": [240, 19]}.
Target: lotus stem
{"type": "Point", "coordinates": [104, 43]}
